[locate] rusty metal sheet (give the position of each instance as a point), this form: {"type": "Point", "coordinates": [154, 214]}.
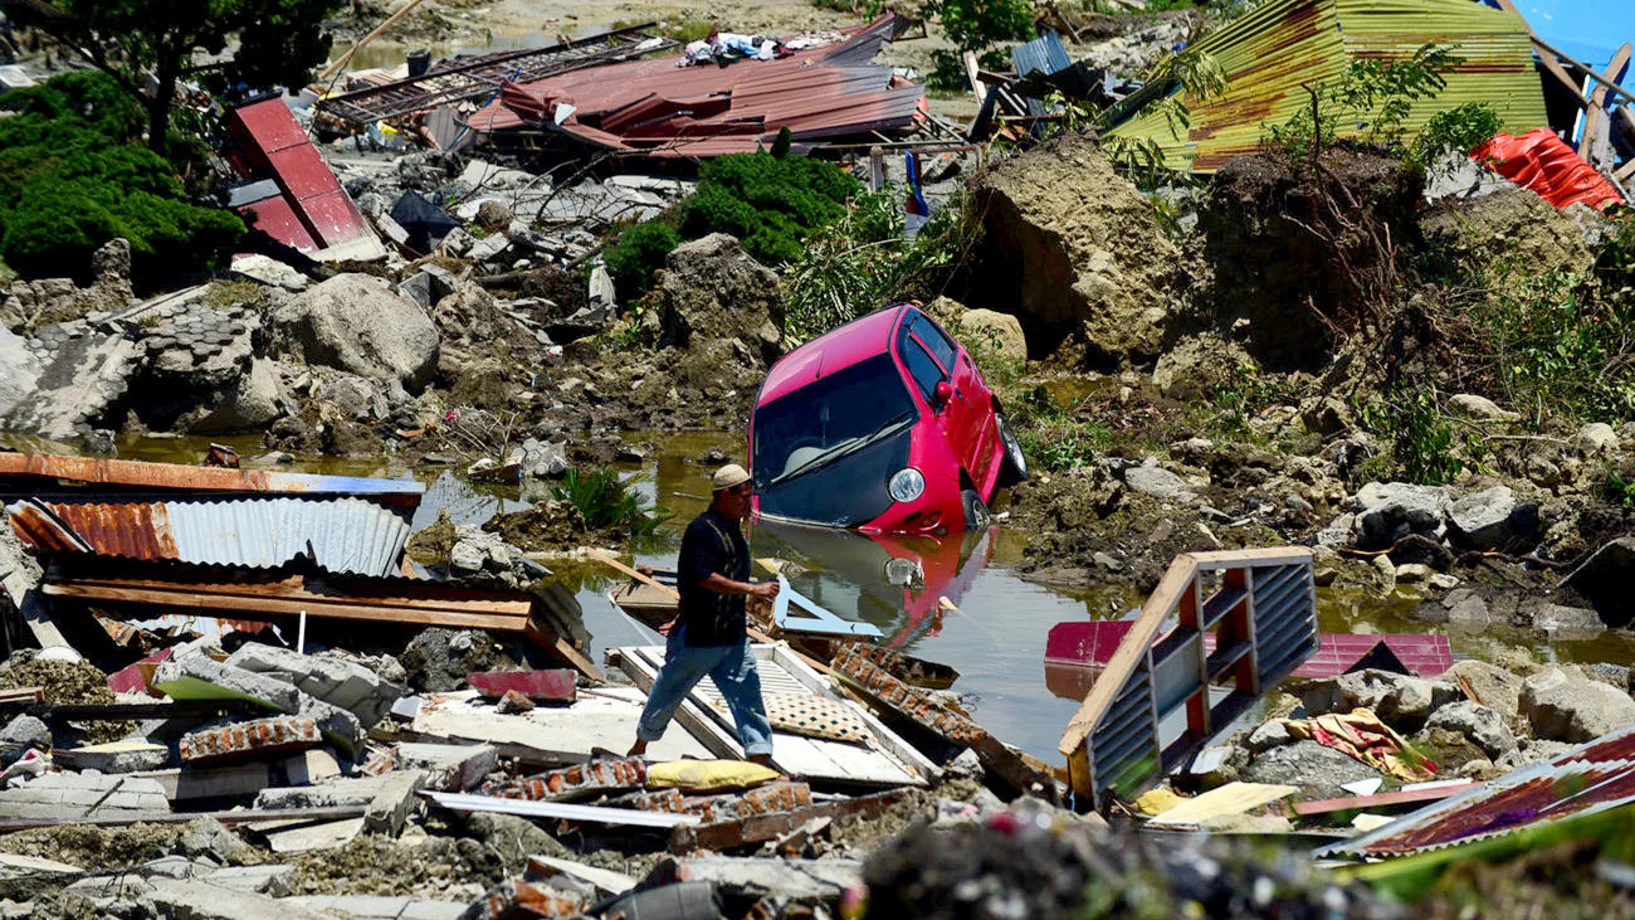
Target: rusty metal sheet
{"type": "Point", "coordinates": [1592, 778]}
{"type": "Point", "coordinates": [1271, 51]}
{"type": "Point", "coordinates": [343, 535]}
{"type": "Point", "coordinates": [137, 474]}
{"type": "Point", "coordinates": [655, 107]}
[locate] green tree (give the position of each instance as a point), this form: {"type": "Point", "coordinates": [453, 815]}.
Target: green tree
{"type": "Point", "coordinates": [278, 42]}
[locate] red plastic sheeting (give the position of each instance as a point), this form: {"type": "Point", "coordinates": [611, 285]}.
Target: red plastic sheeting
{"type": "Point", "coordinates": [1093, 642]}
{"type": "Point", "coordinates": [315, 212]}
{"type": "Point", "coordinates": [1544, 163]}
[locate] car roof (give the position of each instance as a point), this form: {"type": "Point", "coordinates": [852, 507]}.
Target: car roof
{"type": "Point", "coordinates": [835, 350]}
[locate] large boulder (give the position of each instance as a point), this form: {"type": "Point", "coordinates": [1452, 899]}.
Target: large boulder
{"type": "Point", "coordinates": [713, 290]}
{"type": "Point", "coordinates": [1514, 221]}
{"type": "Point", "coordinates": [254, 402]}
{"type": "Point", "coordinates": [1402, 701]}
{"type": "Point", "coordinates": [357, 323]}
{"type": "Point", "coordinates": [1319, 771]}
{"type": "Point", "coordinates": [1563, 706]}
{"type": "Point", "coordinates": [1498, 689]}
{"type": "Point", "coordinates": [1387, 512]}
{"type": "Point", "coordinates": [1483, 726]}
{"type": "Point", "coordinates": [1000, 333]}
{"type": "Point", "coordinates": [1492, 519]}
{"type": "Point", "coordinates": [1073, 249]}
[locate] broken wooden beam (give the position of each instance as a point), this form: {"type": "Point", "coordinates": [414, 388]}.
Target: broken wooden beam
{"type": "Point", "coordinates": [239, 816]}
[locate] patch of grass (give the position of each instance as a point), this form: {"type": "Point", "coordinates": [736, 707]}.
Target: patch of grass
{"type": "Point", "coordinates": [224, 294]}
{"type": "Point", "coordinates": [608, 503]}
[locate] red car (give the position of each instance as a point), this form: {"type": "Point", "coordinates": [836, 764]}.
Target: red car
{"type": "Point", "coordinates": [884, 425]}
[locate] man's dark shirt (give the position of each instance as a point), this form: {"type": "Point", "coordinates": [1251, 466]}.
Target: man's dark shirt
{"type": "Point", "coordinates": [712, 543]}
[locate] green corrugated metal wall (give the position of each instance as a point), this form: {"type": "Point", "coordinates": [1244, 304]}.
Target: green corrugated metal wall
{"type": "Point", "coordinates": [1269, 51]}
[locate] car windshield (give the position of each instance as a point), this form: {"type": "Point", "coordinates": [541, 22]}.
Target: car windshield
{"type": "Point", "coordinates": [828, 419]}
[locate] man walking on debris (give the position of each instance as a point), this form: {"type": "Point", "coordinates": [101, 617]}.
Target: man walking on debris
{"type": "Point", "coordinates": [709, 636]}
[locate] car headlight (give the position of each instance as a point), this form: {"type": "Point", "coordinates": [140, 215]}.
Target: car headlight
{"type": "Point", "coordinates": [906, 484]}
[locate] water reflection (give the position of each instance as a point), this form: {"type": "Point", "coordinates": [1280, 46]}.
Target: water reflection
{"type": "Point", "coordinates": [896, 583]}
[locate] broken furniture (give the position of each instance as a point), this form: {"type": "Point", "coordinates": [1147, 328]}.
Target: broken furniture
{"type": "Point", "coordinates": [1264, 616]}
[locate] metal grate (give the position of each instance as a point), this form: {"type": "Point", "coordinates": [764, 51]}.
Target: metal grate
{"type": "Point", "coordinates": [459, 81]}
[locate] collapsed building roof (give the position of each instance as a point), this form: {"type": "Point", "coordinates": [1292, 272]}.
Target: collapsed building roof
{"type": "Point", "coordinates": [656, 108]}
{"type": "Point", "coordinates": [1271, 51]}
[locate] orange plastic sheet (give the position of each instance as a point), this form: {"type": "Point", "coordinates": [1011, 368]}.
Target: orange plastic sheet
{"type": "Point", "coordinates": [1540, 161]}
{"type": "Point", "coordinates": [1363, 736]}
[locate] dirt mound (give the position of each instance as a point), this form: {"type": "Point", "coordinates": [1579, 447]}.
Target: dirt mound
{"type": "Point", "coordinates": [1286, 242]}
{"type": "Point", "coordinates": [436, 867]}
{"type": "Point", "coordinates": [553, 526]}
{"type": "Point", "coordinates": [1073, 250]}
{"type": "Point", "coordinates": [67, 682]}
{"type": "Point", "coordinates": [431, 545]}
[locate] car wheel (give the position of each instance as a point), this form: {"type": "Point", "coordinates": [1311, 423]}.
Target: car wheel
{"type": "Point", "coordinates": [976, 511]}
{"type": "Point", "coordinates": [1013, 467]}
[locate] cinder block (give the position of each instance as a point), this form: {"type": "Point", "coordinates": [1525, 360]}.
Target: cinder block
{"type": "Point", "coordinates": [451, 767]}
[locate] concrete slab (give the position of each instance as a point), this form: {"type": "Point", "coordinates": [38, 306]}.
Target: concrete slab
{"type": "Point", "coordinates": [450, 767]}
{"type": "Point", "coordinates": [276, 880]}
{"type": "Point", "coordinates": [120, 756]}
{"type": "Point", "coordinates": [603, 718]}
{"type": "Point", "coordinates": [201, 900]}
{"type": "Point", "coordinates": [334, 793]}
{"type": "Point", "coordinates": [66, 796]}
{"type": "Point", "coordinates": [190, 783]}
{"type": "Point", "coordinates": [315, 766]}
{"type": "Point", "coordinates": [393, 803]}
{"type": "Point", "coordinates": [303, 836]}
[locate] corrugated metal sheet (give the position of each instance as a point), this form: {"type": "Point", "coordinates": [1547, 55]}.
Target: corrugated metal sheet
{"type": "Point", "coordinates": [1269, 52]}
{"type": "Point", "coordinates": [346, 535]}
{"type": "Point", "coordinates": [1044, 55]}
{"type": "Point", "coordinates": [267, 143]}
{"type": "Point", "coordinates": [138, 474]}
{"type": "Point", "coordinates": [1593, 778]}
{"type": "Point", "coordinates": [657, 108]}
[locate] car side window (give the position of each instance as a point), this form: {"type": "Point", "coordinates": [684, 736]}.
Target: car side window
{"type": "Point", "coordinates": [922, 368]}
{"type": "Point", "coordinates": [935, 339]}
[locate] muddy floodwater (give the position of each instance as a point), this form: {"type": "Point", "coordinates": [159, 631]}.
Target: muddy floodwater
{"type": "Point", "coordinates": [995, 634]}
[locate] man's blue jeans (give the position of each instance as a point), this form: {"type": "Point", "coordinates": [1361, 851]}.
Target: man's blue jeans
{"type": "Point", "coordinates": [732, 667]}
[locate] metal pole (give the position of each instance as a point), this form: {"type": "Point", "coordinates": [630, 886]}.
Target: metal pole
{"type": "Point", "coordinates": [301, 635]}
{"type": "Point", "coordinates": [1585, 69]}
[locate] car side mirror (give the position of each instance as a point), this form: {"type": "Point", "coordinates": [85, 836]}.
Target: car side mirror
{"type": "Point", "coordinates": [945, 393]}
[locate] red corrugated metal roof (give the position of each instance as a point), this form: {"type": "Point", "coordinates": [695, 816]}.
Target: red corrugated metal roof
{"type": "Point", "coordinates": [267, 143]}
{"type": "Point", "coordinates": [1595, 777]}
{"type": "Point", "coordinates": [702, 111]}
{"type": "Point", "coordinates": [167, 476]}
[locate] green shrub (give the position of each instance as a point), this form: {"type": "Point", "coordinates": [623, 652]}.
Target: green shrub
{"type": "Point", "coordinates": [607, 503]}
{"type": "Point", "coordinates": [1422, 439]}
{"type": "Point", "coordinates": [637, 254]}
{"type": "Point", "coordinates": [71, 179]}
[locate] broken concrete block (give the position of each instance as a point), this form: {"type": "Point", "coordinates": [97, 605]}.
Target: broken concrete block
{"type": "Point", "coordinates": [514, 702]}
{"type": "Point", "coordinates": [124, 885]}
{"type": "Point", "coordinates": [339, 727]}
{"type": "Point", "coordinates": [606, 882]}
{"type": "Point", "coordinates": [339, 683]}
{"type": "Point", "coordinates": [766, 800]}
{"type": "Point", "coordinates": [519, 899]}
{"type": "Point", "coordinates": [197, 677]}
{"type": "Point", "coordinates": [244, 740]}
{"type": "Point", "coordinates": [174, 867]}
{"type": "Point", "coordinates": [576, 782]}
{"type": "Point", "coordinates": [336, 793]}
{"type": "Point", "coordinates": [298, 836]}
{"type": "Point", "coordinates": [381, 907]}
{"type": "Point", "coordinates": [449, 767]}
{"type": "Point", "coordinates": [25, 730]}
{"type": "Point", "coordinates": [276, 880]}
{"type": "Point", "coordinates": [556, 686]}
{"type": "Point", "coordinates": [119, 756]}
{"type": "Point", "coordinates": [314, 766]}
{"type": "Point", "coordinates": [193, 783]}
{"type": "Point", "coordinates": [66, 796]}
{"type": "Point", "coordinates": [391, 805]}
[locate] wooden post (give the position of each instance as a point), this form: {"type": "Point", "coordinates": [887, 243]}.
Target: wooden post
{"type": "Point", "coordinates": [340, 62]}
{"type": "Point", "coordinates": [1596, 113]}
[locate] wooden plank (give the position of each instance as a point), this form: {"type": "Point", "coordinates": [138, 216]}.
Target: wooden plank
{"type": "Point", "coordinates": [338, 592]}
{"type": "Point", "coordinates": [239, 816]}
{"type": "Point", "coordinates": [1379, 800]}
{"type": "Point", "coordinates": [1542, 45]}
{"type": "Point", "coordinates": [23, 695]}
{"type": "Point", "coordinates": [287, 607]}
{"type": "Point", "coordinates": [548, 639]}
{"type": "Point", "coordinates": [1596, 112]}
{"type": "Point", "coordinates": [101, 712]}
{"type": "Point", "coordinates": [1625, 171]}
